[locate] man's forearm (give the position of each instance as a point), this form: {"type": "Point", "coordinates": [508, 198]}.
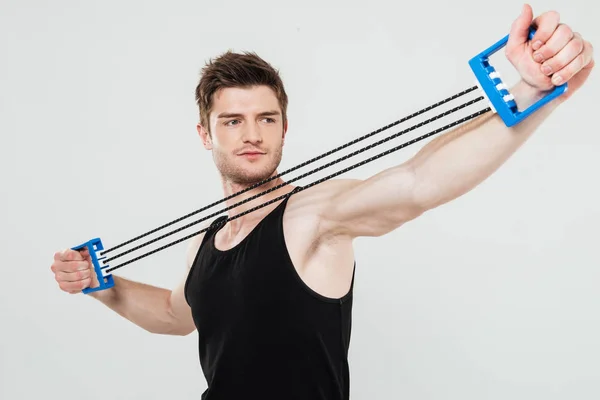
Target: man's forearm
{"type": "Point", "coordinates": [455, 163]}
{"type": "Point", "coordinates": [147, 306]}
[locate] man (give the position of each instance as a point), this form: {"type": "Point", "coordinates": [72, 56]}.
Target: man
{"type": "Point", "coordinates": [270, 293]}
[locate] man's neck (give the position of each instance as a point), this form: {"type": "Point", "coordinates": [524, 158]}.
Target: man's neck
{"type": "Point", "coordinates": [231, 188]}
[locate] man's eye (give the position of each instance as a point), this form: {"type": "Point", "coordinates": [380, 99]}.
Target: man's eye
{"type": "Point", "coordinates": [231, 122]}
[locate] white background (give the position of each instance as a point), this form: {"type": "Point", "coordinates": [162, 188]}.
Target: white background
{"type": "Point", "coordinates": [493, 296]}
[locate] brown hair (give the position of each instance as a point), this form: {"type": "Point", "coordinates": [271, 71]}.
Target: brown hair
{"type": "Point", "coordinates": [237, 70]}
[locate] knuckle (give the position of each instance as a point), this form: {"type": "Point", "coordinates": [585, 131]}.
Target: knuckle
{"type": "Point", "coordinates": [563, 32]}
{"type": "Point", "coordinates": [547, 20]}
{"type": "Point", "coordinates": [545, 34]}
{"type": "Point", "coordinates": [72, 255]}
{"type": "Point", "coordinates": [578, 43]}
{"type": "Point", "coordinates": [580, 61]}
{"type": "Point", "coordinates": [558, 64]}
{"type": "Point", "coordinates": [554, 63]}
{"type": "Point", "coordinates": [565, 29]}
{"type": "Point", "coordinates": [70, 266]}
{"type": "Point", "coordinates": [547, 52]}
{"type": "Point", "coordinates": [543, 31]}
{"type": "Point", "coordinates": [568, 72]}
{"type": "Point", "coordinates": [554, 15]}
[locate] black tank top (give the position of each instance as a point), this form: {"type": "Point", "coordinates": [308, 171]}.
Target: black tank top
{"type": "Point", "coordinates": [262, 332]}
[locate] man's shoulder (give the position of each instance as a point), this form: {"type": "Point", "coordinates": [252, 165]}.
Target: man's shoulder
{"type": "Point", "coordinates": [305, 223]}
{"type": "Point", "coordinates": [308, 206]}
{"type": "Point", "coordinates": [321, 194]}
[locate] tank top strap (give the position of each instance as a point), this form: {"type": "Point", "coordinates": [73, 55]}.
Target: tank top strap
{"type": "Point", "coordinates": [217, 222]}
{"type": "Point", "coordinates": [266, 223]}
{"type": "Point", "coordinates": [213, 227]}
{"type": "Point", "coordinates": [277, 214]}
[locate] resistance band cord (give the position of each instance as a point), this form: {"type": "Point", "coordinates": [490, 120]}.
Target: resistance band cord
{"type": "Point", "coordinates": [304, 187]}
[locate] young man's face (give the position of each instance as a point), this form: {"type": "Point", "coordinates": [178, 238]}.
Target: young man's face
{"type": "Point", "coordinates": [246, 133]}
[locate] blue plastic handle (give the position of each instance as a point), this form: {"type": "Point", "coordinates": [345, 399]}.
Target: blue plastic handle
{"type": "Point", "coordinates": [106, 280]}
{"type": "Point", "coordinates": [500, 98]}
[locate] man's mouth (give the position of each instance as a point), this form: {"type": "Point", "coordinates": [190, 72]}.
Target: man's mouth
{"type": "Point", "coordinates": [251, 154]}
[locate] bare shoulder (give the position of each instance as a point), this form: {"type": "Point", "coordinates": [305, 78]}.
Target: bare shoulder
{"type": "Point", "coordinates": [316, 199]}
{"type": "Point", "coordinates": [306, 212]}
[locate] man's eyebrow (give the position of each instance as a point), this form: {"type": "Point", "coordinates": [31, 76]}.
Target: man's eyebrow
{"type": "Point", "coordinates": [238, 115]}
{"type": "Point", "coordinates": [268, 113]}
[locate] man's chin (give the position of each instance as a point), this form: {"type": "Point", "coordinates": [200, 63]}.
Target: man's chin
{"type": "Point", "coordinates": [248, 174]}
{"type": "Point", "coordinates": [250, 179]}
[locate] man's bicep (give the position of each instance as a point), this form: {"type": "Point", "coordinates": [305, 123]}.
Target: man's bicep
{"type": "Point", "coordinates": [371, 207]}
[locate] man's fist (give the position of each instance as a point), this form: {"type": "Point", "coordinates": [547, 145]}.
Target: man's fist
{"type": "Point", "coordinates": [555, 55]}
{"type": "Point", "coordinates": [74, 271]}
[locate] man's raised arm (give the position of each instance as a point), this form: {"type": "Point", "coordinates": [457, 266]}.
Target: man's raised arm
{"type": "Point", "coordinates": [455, 163]}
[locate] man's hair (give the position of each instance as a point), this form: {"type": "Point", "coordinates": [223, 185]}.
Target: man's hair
{"type": "Point", "coordinates": [237, 70]}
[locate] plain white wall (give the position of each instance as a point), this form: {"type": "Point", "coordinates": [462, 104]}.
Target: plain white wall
{"type": "Point", "coordinates": [493, 296]}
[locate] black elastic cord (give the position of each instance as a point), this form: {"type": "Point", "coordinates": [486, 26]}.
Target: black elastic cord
{"type": "Point", "coordinates": [462, 93]}
{"type": "Point", "coordinates": [441, 115]}
{"type": "Point", "coordinates": [460, 121]}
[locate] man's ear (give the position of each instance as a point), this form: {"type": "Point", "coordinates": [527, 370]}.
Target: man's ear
{"type": "Point", "coordinates": [205, 136]}
{"type": "Point", "coordinates": [285, 128]}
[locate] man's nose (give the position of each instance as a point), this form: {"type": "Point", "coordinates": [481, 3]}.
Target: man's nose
{"type": "Point", "coordinates": [252, 133]}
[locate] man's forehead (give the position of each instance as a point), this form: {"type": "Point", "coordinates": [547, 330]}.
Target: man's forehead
{"type": "Point", "coordinates": [255, 100]}
{"type": "Point", "coordinates": [241, 94]}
